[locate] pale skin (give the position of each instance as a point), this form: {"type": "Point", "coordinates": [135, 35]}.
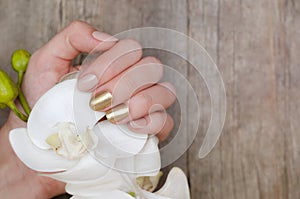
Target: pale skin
{"type": "Point", "coordinates": [51, 62]}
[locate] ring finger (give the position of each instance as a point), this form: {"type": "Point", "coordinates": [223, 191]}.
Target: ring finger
{"type": "Point", "coordinates": [150, 100]}
{"type": "Point", "coordinates": [158, 123]}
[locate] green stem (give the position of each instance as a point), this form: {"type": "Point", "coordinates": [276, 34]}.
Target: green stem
{"type": "Point", "coordinates": [24, 102]}
{"type": "Point", "coordinates": [20, 79]}
{"type": "Point", "coordinates": [21, 96]}
{"type": "Point", "coordinates": [18, 113]}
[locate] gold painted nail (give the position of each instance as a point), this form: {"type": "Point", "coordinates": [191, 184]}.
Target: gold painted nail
{"type": "Point", "coordinates": [101, 101]}
{"type": "Point", "coordinates": [117, 113]}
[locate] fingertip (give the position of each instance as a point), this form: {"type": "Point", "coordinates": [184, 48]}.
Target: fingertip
{"type": "Point", "coordinates": [138, 124]}
{"type": "Point", "coordinates": [101, 36]}
{"type": "Point", "coordinates": [87, 82]}
{"type": "Point", "coordinates": [134, 46]}
{"type": "Point", "coordinates": [169, 86]}
{"type": "Point", "coordinates": [166, 130]}
{"type": "Point", "coordinates": [158, 65]}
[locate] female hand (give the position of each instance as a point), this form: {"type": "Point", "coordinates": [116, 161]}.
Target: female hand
{"type": "Point", "coordinates": [124, 85]}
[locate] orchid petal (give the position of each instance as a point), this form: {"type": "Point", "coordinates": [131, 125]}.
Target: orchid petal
{"type": "Point", "coordinates": [115, 194]}
{"type": "Point", "coordinates": [145, 163]}
{"type": "Point", "coordinates": [126, 165]}
{"type": "Point", "coordinates": [118, 139]}
{"type": "Point", "coordinates": [149, 195]}
{"type": "Point", "coordinates": [176, 185]}
{"type": "Point", "coordinates": [149, 183]}
{"type": "Point", "coordinates": [84, 116]}
{"type": "Point", "coordinates": [87, 169]}
{"type": "Point", "coordinates": [106, 161]}
{"type": "Point", "coordinates": [111, 181]}
{"type": "Point", "coordinates": [35, 158]}
{"type": "Point", "coordinates": [56, 106]}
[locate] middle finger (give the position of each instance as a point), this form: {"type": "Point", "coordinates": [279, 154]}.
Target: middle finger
{"type": "Point", "coordinates": [143, 74]}
{"type": "Point", "coordinates": [109, 64]}
{"type": "Point", "coordinates": [153, 99]}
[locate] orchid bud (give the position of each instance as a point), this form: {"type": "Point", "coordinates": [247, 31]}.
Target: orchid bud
{"type": "Point", "coordinates": [8, 93]}
{"type": "Point", "coordinates": [19, 60]}
{"type": "Point", "coordinates": [8, 89]}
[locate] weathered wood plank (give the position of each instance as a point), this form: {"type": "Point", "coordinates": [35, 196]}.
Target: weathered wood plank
{"type": "Point", "coordinates": [256, 47]}
{"type": "Point", "coordinates": [286, 46]}
{"type": "Point", "coordinates": [25, 24]}
{"type": "Point", "coordinates": [204, 174]}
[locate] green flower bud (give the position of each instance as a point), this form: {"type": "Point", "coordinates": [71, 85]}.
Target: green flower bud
{"type": "Point", "coordinates": [19, 60]}
{"type": "Point", "coordinates": [8, 89]}
{"type": "Point", "coordinates": [8, 93]}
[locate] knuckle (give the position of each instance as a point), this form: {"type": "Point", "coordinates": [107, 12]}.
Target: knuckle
{"type": "Point", "coordinates": [159, 122]}
{"type": "Point", "coordinates": [76, 24]}
{"type": "Point", "coordinates": [140, 105]}
{"type": "Point", "coordinates": [134, 45]}
{"type": "Point", "coordinates": [151, 59]}
{"type": "Point", "coordinates": [132, 85]}
{"type": "Point", "coordinates": [156, 65]}
{"type": "Point", "coordinates": [146, 100]}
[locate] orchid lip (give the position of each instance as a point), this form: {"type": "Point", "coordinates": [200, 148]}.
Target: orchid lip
{"type": "Point", "coordinates": [67, 143]}
{"type": "Point", "coordinates": [57, 106]}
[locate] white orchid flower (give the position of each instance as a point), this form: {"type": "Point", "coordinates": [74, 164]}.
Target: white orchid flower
{"type": "Point", "coordinates": [95, 160]}
{"type": "Point", "coordinates": [175, 187]}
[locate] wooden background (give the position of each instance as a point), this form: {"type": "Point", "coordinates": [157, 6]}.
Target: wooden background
{"type": "Point", "coordinates": [256, 44]}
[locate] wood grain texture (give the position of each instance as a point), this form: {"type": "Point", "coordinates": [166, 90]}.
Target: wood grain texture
{"type": "Point", "coordinates": [256, 44]}
{"type": "Point", "coordinates": [25, 24]}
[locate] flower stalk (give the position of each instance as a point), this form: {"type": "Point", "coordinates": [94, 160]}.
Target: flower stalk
{"type": "Point", "coordinates": [19, 62]}
{"type": "Point", "coordinates": [23, 101]}
{"type": "Point", "coordinates": [17, 112]}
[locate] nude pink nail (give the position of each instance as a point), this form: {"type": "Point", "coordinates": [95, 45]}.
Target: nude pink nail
{"type": "Point", "coordinates": [101, 36]}
{"type": "Point", "coordinates": [137, 124]}
{"type": "Point", "coordinates": [87, 82]}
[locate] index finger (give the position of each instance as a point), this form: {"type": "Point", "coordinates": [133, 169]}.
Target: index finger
{"type": "Point", "coordinates": [78, 37]}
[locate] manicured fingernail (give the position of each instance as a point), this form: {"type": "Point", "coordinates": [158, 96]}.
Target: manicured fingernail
{"type": "Point", "coordinates": [117, 113]}
{"type": "Point", "coordinates": [138, 124]}
{"type": "Point", "coordinates": [87, 82]}
{"type": "Point", "coordinates": [101, 36]}
{"type": "Point", "coordinates": [101, 101]}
